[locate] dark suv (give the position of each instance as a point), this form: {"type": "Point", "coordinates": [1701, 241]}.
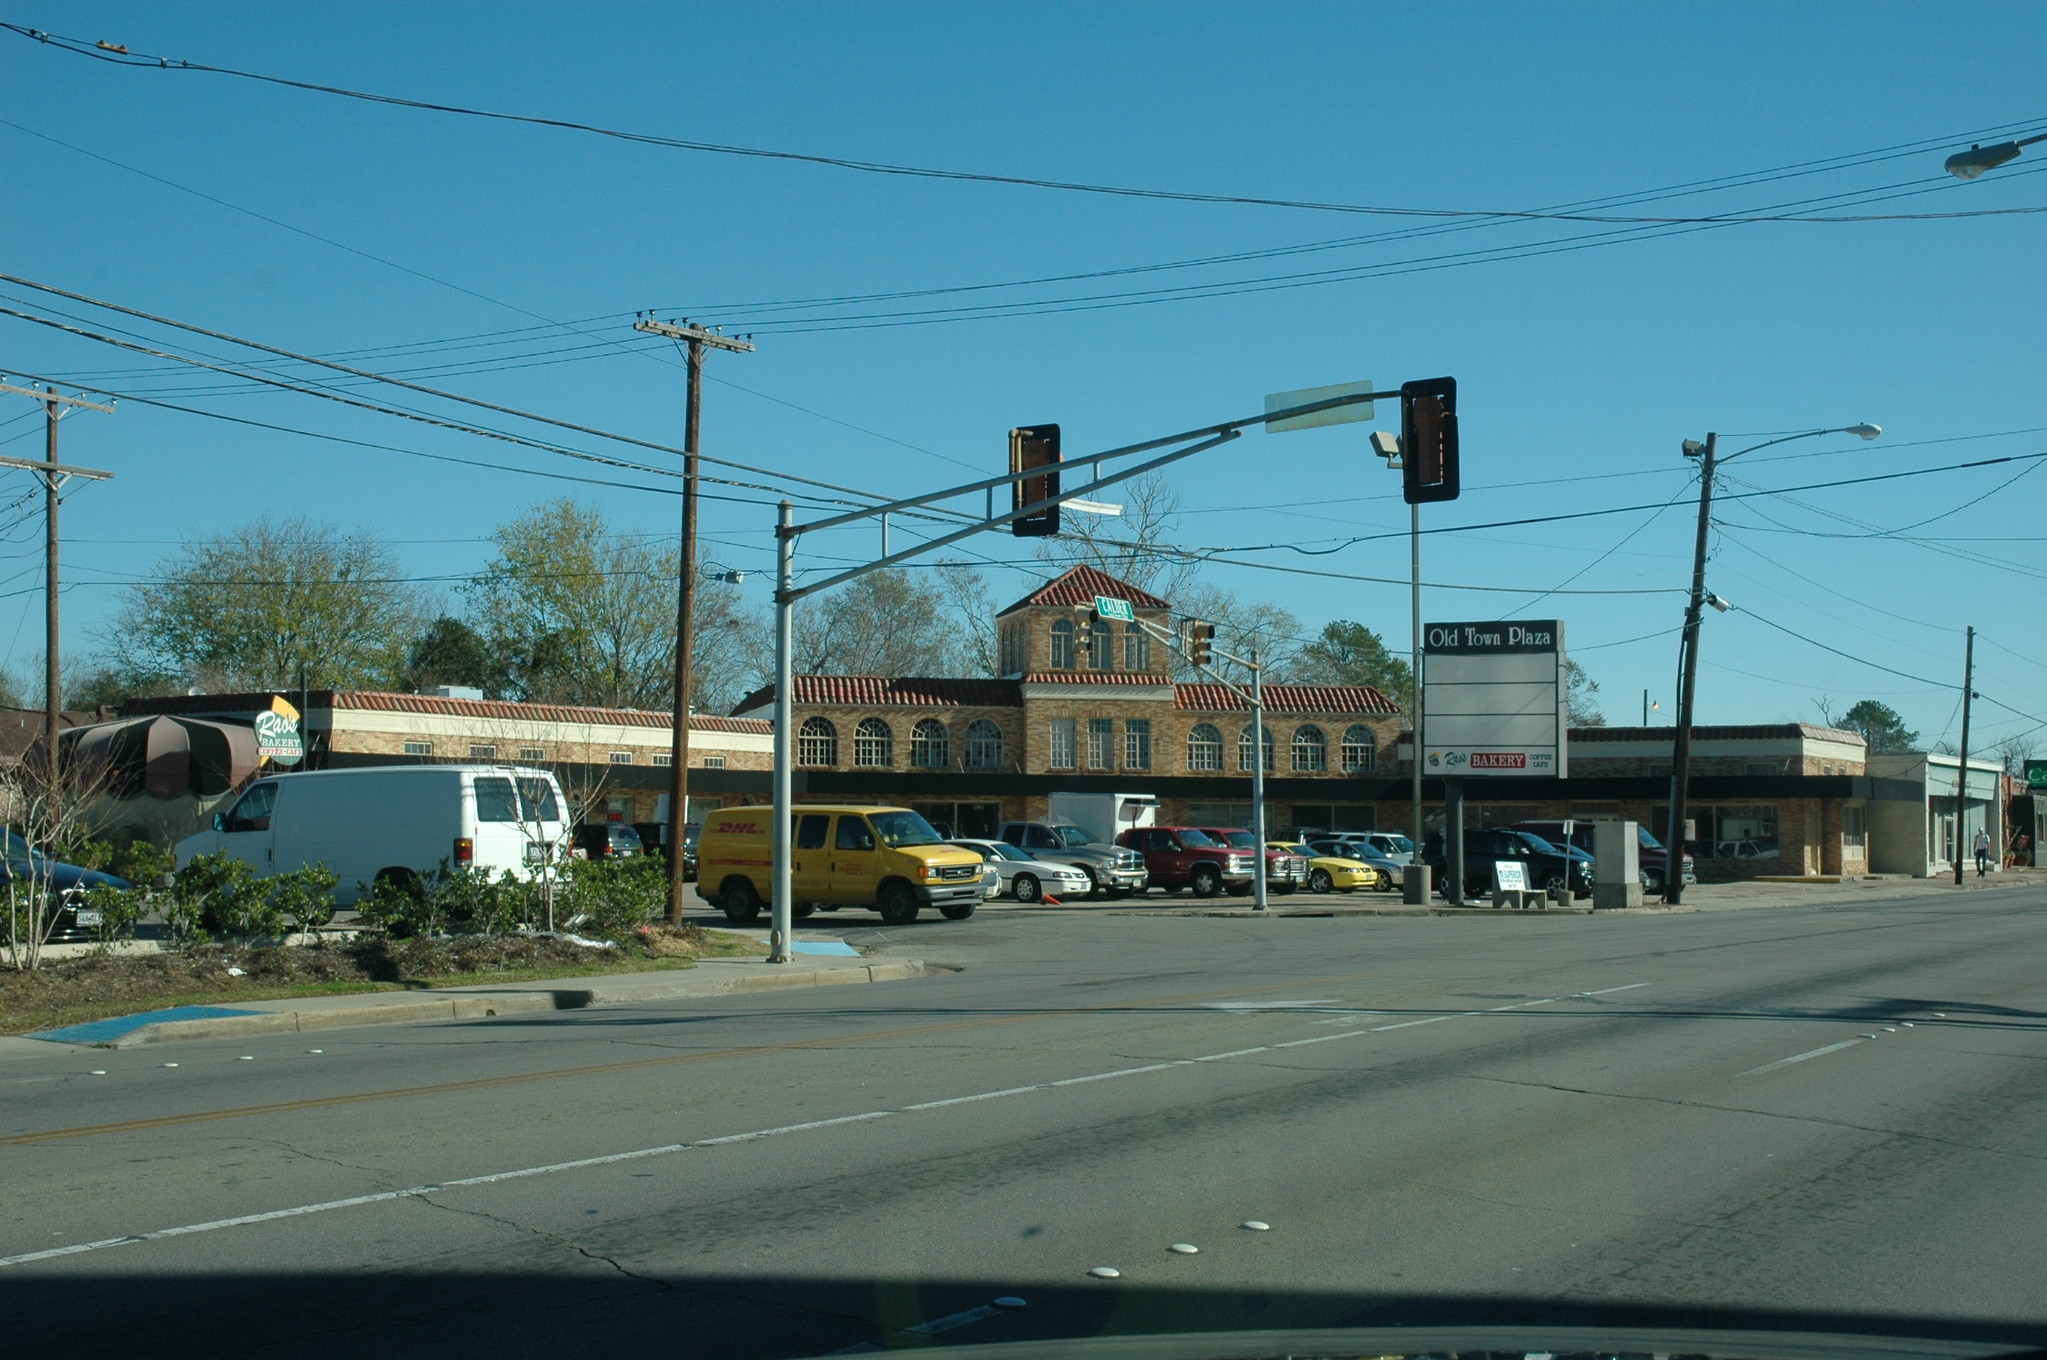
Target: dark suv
{"type": "Point", "coordinates": [1653, 858]}
{"type": "Point", "coordinates": [608, 840]}
{"type": "Point", "coordinates": [1550, 868]}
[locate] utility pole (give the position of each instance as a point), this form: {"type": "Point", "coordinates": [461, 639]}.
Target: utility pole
{"type": "Point", "coordinates": [1962, 779]}
{"type": "Point", "coordinates": [698, 340]}
{"type": "Point", "coordinates": [53, 475]}
{"type": "Point", "coordinates": [1688, 681]}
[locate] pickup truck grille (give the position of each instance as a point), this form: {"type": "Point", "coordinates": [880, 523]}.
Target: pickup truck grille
{"type": "Point", "coordinates": [1129, 859]}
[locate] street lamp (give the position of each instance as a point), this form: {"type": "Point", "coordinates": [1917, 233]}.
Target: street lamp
{"type": "Point", "coordinates": [1973, 162]}
{"type": "Point", "coordinates": [1688, 648]}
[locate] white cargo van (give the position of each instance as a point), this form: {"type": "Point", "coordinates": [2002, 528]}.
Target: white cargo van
{"type": "Point", "coordinates": [391, 821]}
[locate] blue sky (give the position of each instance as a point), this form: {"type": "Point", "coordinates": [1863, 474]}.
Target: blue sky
{"type": "Point", "coordinates": [1581, 370]}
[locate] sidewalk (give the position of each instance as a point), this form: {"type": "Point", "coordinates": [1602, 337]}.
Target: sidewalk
{"type": "Point", "coordinates": [815, 967]}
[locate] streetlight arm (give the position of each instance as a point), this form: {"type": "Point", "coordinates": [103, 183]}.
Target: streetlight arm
{"type": "Point", "coordinates": [1864, 430]}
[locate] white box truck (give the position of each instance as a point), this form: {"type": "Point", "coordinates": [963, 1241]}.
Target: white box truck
{"type": "Point", "coordinates": [392, 822]}
{"type": "Point", "coordinates": [1104, 815]}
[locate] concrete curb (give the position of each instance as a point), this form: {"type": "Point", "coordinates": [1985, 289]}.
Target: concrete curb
{"type": "Point", "coordinates": [463, 1004]}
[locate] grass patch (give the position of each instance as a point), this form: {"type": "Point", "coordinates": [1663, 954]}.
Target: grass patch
{"type": "Point", "coordinates": [72, 991]}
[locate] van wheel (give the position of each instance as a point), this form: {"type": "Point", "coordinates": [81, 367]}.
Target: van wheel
{"type": "Point", "coordinates": [1026, 888]}
{"type": "Point", "coordinates": [799, 910]}
{"type": "Point", "coordinates": [1320, 882]}
{"type": "Point", "coordinates": [739, 902]}
{"type": "Point", "coordinates": [897, 904]}
{"type": "Point", "coordinates": [956, 911]}
{"type": "Point", "coordinates": [1205, 882]}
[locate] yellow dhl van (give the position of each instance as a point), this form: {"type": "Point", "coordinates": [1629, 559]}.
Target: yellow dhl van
{"type": "Point", "coordinates": [886, 858]}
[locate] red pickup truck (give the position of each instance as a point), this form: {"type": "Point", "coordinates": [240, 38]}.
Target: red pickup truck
{"type": "Point", "coordinates": [1177, 857]}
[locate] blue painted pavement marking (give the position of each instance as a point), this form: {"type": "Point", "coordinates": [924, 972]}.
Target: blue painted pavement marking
{"type": "Point", "coordinates": [106, 1031]}
{"type": "Point", "coordinates": [839, 947]}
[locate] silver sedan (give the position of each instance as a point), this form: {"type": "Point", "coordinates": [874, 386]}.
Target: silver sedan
{"type": "Point", "coordinates": [1026, 877]}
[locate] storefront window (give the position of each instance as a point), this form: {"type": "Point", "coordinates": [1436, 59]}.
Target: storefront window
{"type": "Point", "coordinates": [1738, 832]}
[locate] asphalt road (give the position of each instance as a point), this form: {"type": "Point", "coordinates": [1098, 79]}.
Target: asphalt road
{"type": "Point", "coordinates": [1815, 1118]}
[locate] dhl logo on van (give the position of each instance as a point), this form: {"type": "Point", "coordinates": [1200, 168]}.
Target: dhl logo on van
{"type": "Point", "coordinates": [736, 828]}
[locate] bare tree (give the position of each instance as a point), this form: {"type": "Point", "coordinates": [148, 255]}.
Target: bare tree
{"type": "Point", "coordinates": [2014, 752]}
{"type": "Point", "coordinates": [1242, 626]}
{"type": "Point", "coordinates": [1135, 546]}
{"type": "Point", "coordinates": [43, 813]}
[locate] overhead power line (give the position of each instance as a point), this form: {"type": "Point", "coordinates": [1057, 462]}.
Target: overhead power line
{"type": "Point", "coordinates": [121, 56]}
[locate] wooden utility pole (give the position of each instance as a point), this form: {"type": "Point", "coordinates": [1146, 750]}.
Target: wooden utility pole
{"type": "Point", "coordinates": [698, 340]}
{"type": "Point", "coordinates": [1962, 779]}
{"type": "Point", "coordinates": [53, 475]}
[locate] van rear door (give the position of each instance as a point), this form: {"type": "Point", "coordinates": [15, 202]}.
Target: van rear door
{"type": "Point", "coordinates": [514, 816]}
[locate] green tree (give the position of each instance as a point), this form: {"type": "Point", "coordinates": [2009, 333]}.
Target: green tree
{"type": "Point", "coordinates": [1347, 653]}
{"type": "Point", "coordinates": [1880, 726]}
{"type": "Point", "coordinates": [245, 609]}
{"type": "Point", "coordinates": [450, 652]}
{"type": "Point", "coordinates": [580, 613]}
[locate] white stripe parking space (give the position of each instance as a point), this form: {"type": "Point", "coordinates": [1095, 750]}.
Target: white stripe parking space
{"type": "Point", "coordinates": [701, 1145]}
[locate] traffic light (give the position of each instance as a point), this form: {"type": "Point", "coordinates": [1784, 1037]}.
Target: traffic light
{"type": "Point", "coordinates": [1428, 440]}
{"type": "Point", "coordinates": [1200, 643]}
{"type": "Point", "coordinates": [1030, 448]}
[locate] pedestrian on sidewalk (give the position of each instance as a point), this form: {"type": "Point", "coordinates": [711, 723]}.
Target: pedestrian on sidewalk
{"type": "Point", "coordinates": [1982, 853]}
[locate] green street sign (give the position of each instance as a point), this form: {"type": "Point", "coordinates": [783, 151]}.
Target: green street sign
{"type": "Point", "coordinates": [2036, 774]}
{"type": "Point", "coordinates": [1108, 608]}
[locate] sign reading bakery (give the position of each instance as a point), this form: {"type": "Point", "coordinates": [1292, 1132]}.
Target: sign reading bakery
{"type": "Point", "coordinates": [1493, 698]}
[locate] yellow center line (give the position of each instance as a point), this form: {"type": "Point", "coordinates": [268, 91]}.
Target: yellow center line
{"type": "Point", "coordinates": [637, 1064]}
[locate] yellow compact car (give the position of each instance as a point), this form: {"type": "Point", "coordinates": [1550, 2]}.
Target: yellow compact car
{"type": "Point", "coordinates": [1328, 873]}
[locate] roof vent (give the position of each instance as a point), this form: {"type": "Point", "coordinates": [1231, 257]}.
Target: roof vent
{"type": "Point", "coordinates": [452, 692]}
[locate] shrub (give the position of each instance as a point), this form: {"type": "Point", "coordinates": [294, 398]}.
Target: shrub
{"type": "Point", "coordinates": [221, 895]}
{"type": "Point", "coordinates": [87, 854]}
{"type": "Point", "coordinates": [610, 898]}
{"type": "Point", "coordinates": [144, 863]}
{"type": "Point", "coordinates": [304, 897]}
{"type": "Point", "coordinates": [119, 911]}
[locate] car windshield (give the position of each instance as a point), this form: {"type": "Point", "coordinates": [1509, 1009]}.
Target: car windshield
{"type": "Point", "coordinates": [1535, 842]}
{"type": "Point", "coordinates": [1195, 839]}
{"type": "Point", "coordinates": [1400, 845]}
{"type": "Point", "coordinates": [1243, 840]}
{"type": "Point", "coordinates": [903, 828]}
{"type": "Point", "coordinates": [1072, 835]}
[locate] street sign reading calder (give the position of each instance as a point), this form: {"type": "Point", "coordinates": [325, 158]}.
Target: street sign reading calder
{"type": "Point", "coordinates": [1108, 607]}
{"type": "Point", "coordinates": [1493, 698]}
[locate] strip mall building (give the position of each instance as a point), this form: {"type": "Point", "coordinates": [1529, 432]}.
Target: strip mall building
{"type": "Point", "coordinates": [1088, 705]}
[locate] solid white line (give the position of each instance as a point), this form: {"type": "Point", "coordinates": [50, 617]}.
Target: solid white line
{"type": "Point", "coordinates": [1608, 991]}
{"type": "Point", "coordinates": [666, 1149]}
{"type": "Point", "coordinates": [1799, 1057]}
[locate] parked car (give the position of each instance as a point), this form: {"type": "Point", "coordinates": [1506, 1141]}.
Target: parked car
{"type": "Point", "coordinates": [1364, 852]}
{"type": "Point", "coordinates": [1333, 873]}
{"type": "Point", "coordinates": [654, 841]}
{"type": "Point", "coordinates": [1177, 857]}
{"type": "Point", "coordinates": [394, 823]}
{"type": "Point", "coordinates": [1116, 872]}
{"type": "Point", "coordinates": [67, 884]}
{"type": "Point", "coordinates": [1746, 850]}
{"type": "Point", "coordinates": [1394, 846]}
{"type": "Point", "coordinates": [1652, 858]}
{"type": "Point", "coordinates": [1285, 870]}
{"type": "Point", "coordinates": [1022, 875]}
{"type": "Point", "coordinates": [886, 858]}
{"type": "Point", "coordinates": [608, 840]}
{"type": "Point", "coordinates": [1550, 868]}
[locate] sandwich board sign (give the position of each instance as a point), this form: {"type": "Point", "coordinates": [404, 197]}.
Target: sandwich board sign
{"type": "Point", "coordinates": [1493, 699]}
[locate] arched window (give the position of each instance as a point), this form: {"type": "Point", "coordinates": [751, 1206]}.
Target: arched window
{"type": "Point", "coordinates": [1205, 747]}
{"type": "Point", "coordinates": [1137, 650]}
{"type": "Point", "coordinates": [1244, 750]}
{"type": "Point", "coordinates": [984, 746]}
{"type": "Point", "coordinates": [874, 743]}
{"type": "Point", "coordinates": [1310, 750]}
{"type": "Point", "coordinates": [1101, 645]}
{"type": "Point", "coordinates": [1360, 750]}
{"type": "Point", "coordinates": [817, 742]}
{"type": "Point", "coordinates": [930, 745]}
{"type": "Point", "coordinates": [1062, 644]}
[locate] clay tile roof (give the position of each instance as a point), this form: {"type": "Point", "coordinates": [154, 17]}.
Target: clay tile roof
{"type": "Point", "coordinates": [1080, 585]}
{"type": "Point", "coordinates": [1336, 699]}
{"type": "Point", "coordinates": [380, 701]}
{"type": "Point", "coordinates": [886, 691]}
